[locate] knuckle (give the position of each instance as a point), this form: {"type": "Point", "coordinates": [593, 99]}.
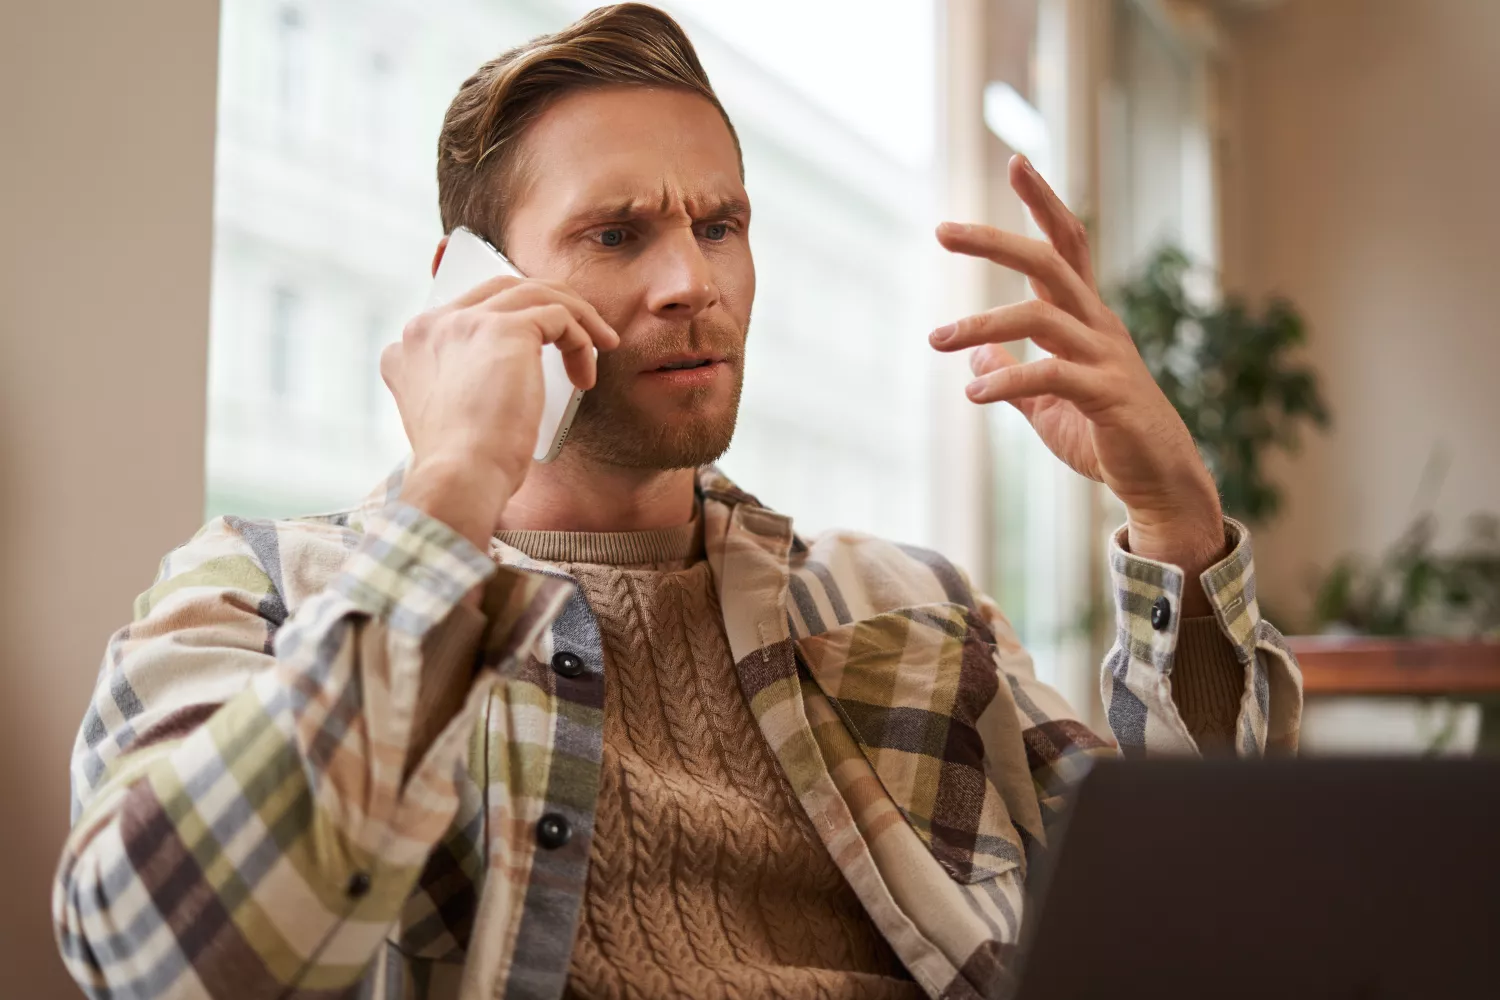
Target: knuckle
{"type": "Point", "coordinates": [507, 295]}
{"type": "Point", "coordinates": [1048, 369]}
{"type": "Point", "coordinates": [1037, 310]}
{"type": "Point", "coordinates": [416, 328]}
{"type": "Point", "coordinates": [390, 361]}
{"type": "Point", "coordinates": [499, 294]}
{"type": "Point", "coordinates": [1077, 233]}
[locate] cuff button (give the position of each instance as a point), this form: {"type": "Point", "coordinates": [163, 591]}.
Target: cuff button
{"type": "Point", "coordinates": [359, 884]}
{"type": "Point", "coordinates": [1161, 613]}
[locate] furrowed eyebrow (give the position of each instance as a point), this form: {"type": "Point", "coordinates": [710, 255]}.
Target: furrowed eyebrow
{"type": "Point", "coordinates": [626, 211]}
{"type": "Point", "coordinates": [617, 212]}
{"type": "Point", "coordinates": [727, 207]}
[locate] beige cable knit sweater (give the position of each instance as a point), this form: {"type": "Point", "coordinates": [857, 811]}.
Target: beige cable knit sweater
{"type": "Point", "coordinates": [706, 878]}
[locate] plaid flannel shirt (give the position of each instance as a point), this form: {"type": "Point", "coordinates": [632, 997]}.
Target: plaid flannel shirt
{"type": "Point", "coordinates": [246, 825]}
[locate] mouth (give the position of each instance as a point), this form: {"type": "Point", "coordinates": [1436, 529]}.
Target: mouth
{"type": "Point", "coordinates": [684, 363]}
{"type": "Point", "coordinates": [686, 371]}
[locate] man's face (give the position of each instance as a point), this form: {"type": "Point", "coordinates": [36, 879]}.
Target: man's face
{"type": "Point", "coordinates": [632, 196]}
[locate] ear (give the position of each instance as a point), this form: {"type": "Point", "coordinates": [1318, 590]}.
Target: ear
{"type": "Point", "coordinates": [437, 257]}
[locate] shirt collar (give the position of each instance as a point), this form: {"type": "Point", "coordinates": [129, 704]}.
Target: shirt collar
{"type": "Point", "coordinates": [711, 484]}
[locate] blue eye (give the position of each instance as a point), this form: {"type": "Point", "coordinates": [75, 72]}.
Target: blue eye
{"type": "Point", "coordinates": [716, 231]}
{"type": "Point", "coordinates": [612, 237]}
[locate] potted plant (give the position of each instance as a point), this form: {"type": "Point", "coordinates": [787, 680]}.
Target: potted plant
{"type": "Point", "coordinates": [1229, 373]}
{"type": "Point", "coordinates": [1414, 590]}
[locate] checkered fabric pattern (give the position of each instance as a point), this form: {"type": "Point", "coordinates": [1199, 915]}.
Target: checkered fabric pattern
{"type": "Point", "coordinates": [247, 823]}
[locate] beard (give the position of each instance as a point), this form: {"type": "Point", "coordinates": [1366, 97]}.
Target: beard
{"type": "Point", "coordinates": [612, 428]}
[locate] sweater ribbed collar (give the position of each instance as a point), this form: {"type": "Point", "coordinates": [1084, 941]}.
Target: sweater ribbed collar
{"type": "Point", "coordinates": [682, 543]}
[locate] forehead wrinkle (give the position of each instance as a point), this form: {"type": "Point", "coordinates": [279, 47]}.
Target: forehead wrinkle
{"type": "Point", "coordinates": [673, 200]}
{"type": "Point", "coordinates": [667, 201]}
{"type": "Point", "coordinates": [703, 200]}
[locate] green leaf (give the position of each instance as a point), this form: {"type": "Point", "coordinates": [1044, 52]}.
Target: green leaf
{"type": "Point", "coordinates": [1227, 372]}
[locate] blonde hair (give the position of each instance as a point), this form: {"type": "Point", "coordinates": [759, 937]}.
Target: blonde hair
{"type": "Point", "coordinates": [478, 168]}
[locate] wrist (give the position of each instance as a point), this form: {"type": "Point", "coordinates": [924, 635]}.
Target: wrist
{"type": "Point", "coordinates": [1189, 536]}
{"type": "Point", "coordinates": [1192, 545]}
{"type": "Point", "coordinates": [466, 495]}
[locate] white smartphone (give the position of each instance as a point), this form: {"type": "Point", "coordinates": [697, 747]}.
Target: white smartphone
{"type": "Point", "coordinates": [469, 260]}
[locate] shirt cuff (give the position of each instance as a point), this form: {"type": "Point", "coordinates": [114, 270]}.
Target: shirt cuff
{"type": "Point", "coordinates": [411, 569]}
{"type": "Point", "coordinates": [1148, 599]}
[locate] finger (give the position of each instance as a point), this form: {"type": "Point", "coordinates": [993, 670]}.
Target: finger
{"type": "Point", "coordinates": [1047, 377]}
{"type": "Point", "coordinates": [987, 358]}
{"type": "Point", "coordinates": [534, 293]}
{"type": "Point", "coordinates": [1049, 326]}
{"type": "Point", "coordinates": [559, 326]}
{"type": "Point", "coordinates": [1037, 260]}
{"type": "Point", "coordinates": [604, 336]}
{"type": "Point", "coordinates": [1069, 235]}
{"type": "Point", "coordinates": [390, 364]}
{"type": "Point", "coordinates": [485, 289]}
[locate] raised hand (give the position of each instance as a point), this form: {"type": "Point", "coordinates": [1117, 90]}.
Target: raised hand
{"type": "Point", "coordinates": [1093, 402]}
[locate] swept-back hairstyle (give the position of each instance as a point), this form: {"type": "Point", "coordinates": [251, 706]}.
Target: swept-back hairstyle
{"type": "Point", "coordinates": [480, 173]}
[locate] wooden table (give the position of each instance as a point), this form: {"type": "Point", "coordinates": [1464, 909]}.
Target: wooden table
{"type": "Point", "coordinates": [1408, 668]}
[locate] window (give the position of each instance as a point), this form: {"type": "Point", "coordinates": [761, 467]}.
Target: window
{"type": "Point", "coordinates": [281, 342]}
{"type": "Point", "coordinates": [1042, 552]}
{"type": "Point", "coordinates": [380, 104]}
{"type": "Point", "coordinates": [835, 120]}
{"type": "Point", "coordinates": [1159, 170]}
{"type": "Point", "coordinates": [291, 57]}
{"type": "Point", "coordinates": [1110, 101]}
{"type": "Point", "coordinates": [370, 387]}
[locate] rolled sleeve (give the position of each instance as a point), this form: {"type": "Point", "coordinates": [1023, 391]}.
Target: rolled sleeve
{"type": "Point", "coordinates": [411, 569]}
{"type": "Point", "coordinates": [1136, 683]}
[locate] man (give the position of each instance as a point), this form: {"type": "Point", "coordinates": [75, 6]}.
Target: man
{"type": "Point", "coordinates": [608, 727]}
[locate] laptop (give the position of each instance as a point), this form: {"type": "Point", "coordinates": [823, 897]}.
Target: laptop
{"type": "Point", "coordinates": [1316, 878]}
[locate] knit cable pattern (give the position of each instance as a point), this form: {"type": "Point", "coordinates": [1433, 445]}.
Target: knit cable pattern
{"type": "Point", "coordinates": [706, 878]}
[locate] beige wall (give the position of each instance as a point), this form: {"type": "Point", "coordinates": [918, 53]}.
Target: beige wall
{"type": "Point", "coordinates": [1362, 180]}
{"type": "Point", "coordinates": [106, 193]}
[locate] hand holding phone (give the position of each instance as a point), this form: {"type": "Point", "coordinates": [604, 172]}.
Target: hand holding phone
{"type": "Point", "coordinates": [470, 380]}
{"type": "Point", "coordinates": [469, 261]}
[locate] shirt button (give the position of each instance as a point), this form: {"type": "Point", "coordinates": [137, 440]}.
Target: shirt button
{"type": "Point", "coordinates": [567, 664]}
{"type": "Point", "coordinates": [553, 831]}
{"type": "Point", "coordinates": [359, 884]}
{"type": "Point", "coordinates": [1161, 613]}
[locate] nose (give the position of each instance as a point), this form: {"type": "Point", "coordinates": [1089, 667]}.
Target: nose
{"type": "Point", "coordinates": [682, 283]}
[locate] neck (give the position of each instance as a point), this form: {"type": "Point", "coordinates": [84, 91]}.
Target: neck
{"type": "Point", "coordinates": [575, 493]}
